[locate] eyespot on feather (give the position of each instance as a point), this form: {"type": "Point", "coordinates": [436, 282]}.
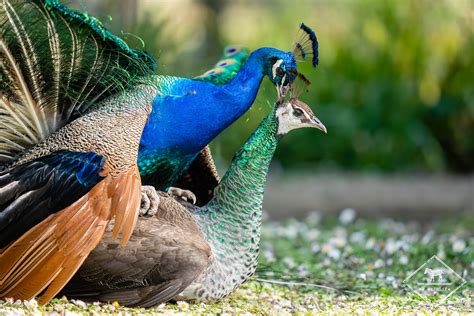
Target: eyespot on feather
{"type": "Point", "coordinates": [232, 50]}
{"type": "Point", "coordinates": [226, 62]}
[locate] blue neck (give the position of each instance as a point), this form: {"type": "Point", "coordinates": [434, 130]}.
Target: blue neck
{"type": "Point", "coordinates": [247, 81]}
{"type": "Point", "coordinates": [188, 114]}
{"type": "Point", "coordinates": [195, 112]}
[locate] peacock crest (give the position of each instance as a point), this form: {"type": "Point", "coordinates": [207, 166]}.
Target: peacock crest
{"type": "Point", "coordinates": [306, 47]}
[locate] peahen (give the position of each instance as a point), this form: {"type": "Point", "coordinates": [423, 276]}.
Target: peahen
{"type": "Point", "coordinates": [186, 252]}
{"type": "Point", "coordinates": [67, 111]}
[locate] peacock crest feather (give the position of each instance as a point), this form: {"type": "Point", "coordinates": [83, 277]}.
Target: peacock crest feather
{"type": "Point", "coordinates": [47, 81]}
{"type": "Point", "coordinates": [306, 47]}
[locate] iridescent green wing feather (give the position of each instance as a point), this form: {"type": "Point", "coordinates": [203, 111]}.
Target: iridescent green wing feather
{"type": "Point", "coordinates": [54, 64]}
{"type": "Point", "coordinates": [227, 67]}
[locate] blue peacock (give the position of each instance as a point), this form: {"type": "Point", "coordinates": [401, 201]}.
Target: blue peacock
{"type": "Point", "coordinates": [168, 146]}
{"type": "Point", "coordinates": [74, 100]}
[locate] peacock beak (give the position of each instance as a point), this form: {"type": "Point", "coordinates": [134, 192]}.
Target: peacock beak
{"type": "Point", "coordinates": [315, 122]}
{"type": "Point", "coordinates": [282, 90]}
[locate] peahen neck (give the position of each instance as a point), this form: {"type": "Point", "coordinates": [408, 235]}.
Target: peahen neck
{"type": "Point", "coordinates": [231, 221]}
{"type": "Point", "coordinates": [246, 176]}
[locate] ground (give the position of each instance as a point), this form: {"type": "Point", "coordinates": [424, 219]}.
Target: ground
{"type": "Point", "coordinates": [335, 265]}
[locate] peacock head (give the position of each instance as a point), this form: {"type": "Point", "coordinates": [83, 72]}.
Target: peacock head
{"type": "Point", "coordinates": [281, 66]}
{"type": "Point", "coordinates": [293, 114]}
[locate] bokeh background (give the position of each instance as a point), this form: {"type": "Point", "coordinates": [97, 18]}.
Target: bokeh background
{"type": "Point", "coordinates": [394, 87]}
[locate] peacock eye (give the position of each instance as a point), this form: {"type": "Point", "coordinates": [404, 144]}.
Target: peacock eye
{"type": "Point", "coordinates": [298, 112]}
{"type": "Point", "coordinates": [280, 72]}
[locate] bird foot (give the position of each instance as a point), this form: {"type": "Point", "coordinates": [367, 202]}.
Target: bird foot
{"type": "Point", "coordinates": [150, 201]}
{"type": "Point", "coordinates": [185, 195]}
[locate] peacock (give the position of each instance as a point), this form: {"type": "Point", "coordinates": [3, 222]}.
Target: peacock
{"type": "Point", "coordinates": [189, 252]}
{"type": "Point", "coordinates": [73, 105]}
{"type": "Point", "coordinates": [62, 76]}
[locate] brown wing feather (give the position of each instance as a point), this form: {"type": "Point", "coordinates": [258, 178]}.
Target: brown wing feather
{"type": "Point", "coordinates": [48, 255]}
{"type": "Point", "coordinates": [201, 178]}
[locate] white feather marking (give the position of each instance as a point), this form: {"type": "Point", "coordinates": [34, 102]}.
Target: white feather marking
{"type": "Point", "coordinates": [275, 66]}
{"type": "Point", "coordinates": [9, 186]}
{"type": "Point", "coordinates": [10, 128]}
{"type": "Point", "coordinates": [28, 99]}
{"type": "Point", "coordinates": [92, 71]}
{"type": "Point", "coordinates": [97, 80]}
{"type": "Point", "coordinates": [32, 63]}
{"type": "Point", "coordinates": [73, 52]}
{"type": "Point", "coordinates": [7, 157]}
{"type": "Point", "coordinates": [55, 51]}
{"type": "Point", "coordinates": [13, 144]}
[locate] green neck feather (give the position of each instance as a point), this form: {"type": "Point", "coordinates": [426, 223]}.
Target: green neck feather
{"type": "Point", "coordinates": [246, 176]}
{"type": "Point", "coordinates": [231, 221]}
{"type": "Point", "coordinates": [240, 193]}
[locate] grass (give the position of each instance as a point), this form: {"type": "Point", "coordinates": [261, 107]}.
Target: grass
{"type": "Point", "coordinates": [332, 265]}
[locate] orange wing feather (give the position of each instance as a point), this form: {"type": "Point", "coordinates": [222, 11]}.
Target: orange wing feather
{"type": "Point", "coordinates": [45, 258]}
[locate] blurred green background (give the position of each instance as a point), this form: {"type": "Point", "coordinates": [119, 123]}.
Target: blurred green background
{"type": "Point", "coordinates": [394, 86]}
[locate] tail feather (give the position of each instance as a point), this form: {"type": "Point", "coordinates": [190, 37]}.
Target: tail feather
{"type": "Point", "coordinates": [55, 63]}
{"type": "Point", "coordinates": [231, 61]}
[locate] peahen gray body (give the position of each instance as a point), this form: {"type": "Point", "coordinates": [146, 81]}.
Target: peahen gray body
{"type": "Point", "coordinates": [186, 252]}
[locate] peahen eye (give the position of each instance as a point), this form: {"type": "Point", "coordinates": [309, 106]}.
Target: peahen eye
{"type": "Point", "coordinates": [297, 112]}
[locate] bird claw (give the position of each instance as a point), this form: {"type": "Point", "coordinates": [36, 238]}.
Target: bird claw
{"type": "Point", "coordinates": [185, 195]}
{"type": "Point", "coordinates": [150, 201]}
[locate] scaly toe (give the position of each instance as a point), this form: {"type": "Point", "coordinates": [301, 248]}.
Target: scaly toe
{"type": "Point", "coordinates": [185, 195]}
{"type": "Point", "coordinates": [150, 201]}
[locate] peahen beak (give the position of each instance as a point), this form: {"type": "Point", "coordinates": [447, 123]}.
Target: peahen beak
{"type": "Point", "coordinates": [315, 122]}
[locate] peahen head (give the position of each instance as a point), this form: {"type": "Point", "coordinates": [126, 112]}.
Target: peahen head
{"type": "Point", "coordinates": [293, 114]}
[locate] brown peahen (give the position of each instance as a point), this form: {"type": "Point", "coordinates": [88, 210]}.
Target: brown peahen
{"type": "Point", "coordinates": [187, 252]}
